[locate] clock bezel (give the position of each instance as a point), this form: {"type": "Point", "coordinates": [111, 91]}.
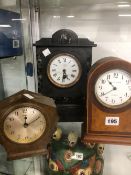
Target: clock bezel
{"type": "Point", "coordinates": [107, 105]}
{"type": "Point", "coordinates": [25, 104]}
{"type": "Point", "coordinates": [59, 84]}
{"type": "Point", "coordinates": [101, 67]}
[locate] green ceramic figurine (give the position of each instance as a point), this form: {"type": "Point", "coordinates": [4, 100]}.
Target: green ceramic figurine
{"type": "Point", "coordinates": [69, 156]}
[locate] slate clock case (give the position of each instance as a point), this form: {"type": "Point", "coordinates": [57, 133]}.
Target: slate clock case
{"type": "Point", "coordinates": [57, 78]}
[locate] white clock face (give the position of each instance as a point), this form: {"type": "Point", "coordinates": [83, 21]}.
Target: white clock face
{"type": "Point", "coordinates": [113, 88]}
{"type": "Point", "coordinates": [24, 125]}
{"type": "Point", "coordinates": [64, 70]}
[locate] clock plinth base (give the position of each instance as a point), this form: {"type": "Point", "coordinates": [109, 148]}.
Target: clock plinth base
{"type": "Point", "coordinates": [107, 139]}
{"type": "Point", "coordinates": [14, 156]}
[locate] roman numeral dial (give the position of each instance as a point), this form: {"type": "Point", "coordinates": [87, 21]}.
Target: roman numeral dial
{"type": "Point", "coordinates": [64, 70]}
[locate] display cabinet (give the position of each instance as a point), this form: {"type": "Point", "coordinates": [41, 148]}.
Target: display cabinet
{"type": "Point", "coordinates": [105, 22]}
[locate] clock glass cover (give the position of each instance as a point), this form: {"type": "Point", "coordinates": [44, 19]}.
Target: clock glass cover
{"type": "Point", "coordinates": [64, 70]}
{"type": "Point", "coordinates": [24, 125]}
{"type": "Point", "coordinates": [113, 88]}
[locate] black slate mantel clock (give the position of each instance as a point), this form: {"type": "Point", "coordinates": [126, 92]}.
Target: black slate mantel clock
{"type": "Point", "coordinates": [63, 62]}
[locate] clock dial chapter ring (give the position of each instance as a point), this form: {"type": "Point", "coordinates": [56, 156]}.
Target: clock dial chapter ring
{"type": "Point", "coordinates": [64, 70]}
{"type": "Point", "coordinates": [24, 124]}
{"type": "Point", "coordinates": [113, 88]}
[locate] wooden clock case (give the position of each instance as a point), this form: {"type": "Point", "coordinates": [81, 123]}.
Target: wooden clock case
{"type": "Point", "coordinates": [94, 128]}
{"type": "Point", "coordinates": [69, 101]}
{"type": "Point", "coordinates": [46, 106]}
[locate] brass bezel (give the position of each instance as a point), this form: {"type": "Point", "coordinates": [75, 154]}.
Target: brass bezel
{"type": "Point", "coordinates": [59, 84]}
{"type": "Point", "coordinates": [31, 105]}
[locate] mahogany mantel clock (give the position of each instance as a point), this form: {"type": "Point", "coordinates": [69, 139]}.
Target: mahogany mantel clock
{"type": "Point", "coordinates": [27, 122]}
{"type": "Point", "coordinates": [109, 102]}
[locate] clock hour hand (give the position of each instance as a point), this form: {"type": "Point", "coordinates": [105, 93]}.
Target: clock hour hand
{"type": "Point", "coordinates": [64, 75]}
{"type": "Point", "coordinates": [114, 88]}
{"type": "Point", "coordinates": [25, 124]}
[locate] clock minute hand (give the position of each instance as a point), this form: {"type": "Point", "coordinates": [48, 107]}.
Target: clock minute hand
{"type": "Point", "coordinates": [109, 91]}
{"type": "Point", "coordinates": [33, 121]}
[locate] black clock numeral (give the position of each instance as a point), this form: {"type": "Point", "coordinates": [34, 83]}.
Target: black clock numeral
{"type": "Point", "coordinates": [113, 101]}
{"type": "Point", "coordinates": [73, 65]}
{"type": "Point", "coordinates": [58, 78]}
{"type": "Point", "coordinates": [103, 81]}
{"type": "Point", "coordinates": [16, 113]}
{"type": "Point", "coordinates": [12, 132]}
{"type": "Point", "coordinates": [11, 119]}
{"type": "Point", "coordinates": [53, 70]}
{"type": "Point", "coordinates": [8, 126]}
{"type": "Point", "coordinates": [24, 110]}
{"type": "Point", "coordinates": [106, 98]}
{"type": "Point", "coordinates": [74, 70]}
{"type": "Point", "coordinates": [102, 93]}
{"type": "Point", "coordinates": [72, 75]}
{"type": "Point", "coordinates": [100, 87]}
{"type": "Point", "coordinates": [108, 77]}
{"type": "Point", "coordinates": [126, 94]}
{"type": "Point", "coordinates": [59, 61]}
{"type": "Point", "coordinates": [55, 64]}
{"type": "Point", "coordinates": [54, 75]}
{"type": "Point", "coordinates": [127, 82]}
{"type": "Point", "coordinates": [115, 75]}
{"type": "Point", "coordinates": [121, 99]}
{"type": "Point", "coordinates": [64, 59]}
{"type": "Point", "coordinates": [41, 129]}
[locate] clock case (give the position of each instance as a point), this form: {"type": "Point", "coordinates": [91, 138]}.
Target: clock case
{"type": "Point", "coordinates": [69, 101]}
{"type": "Point", "coordinates": [46, 106]}
{"type": "Point", "coordinates": [94, 128]}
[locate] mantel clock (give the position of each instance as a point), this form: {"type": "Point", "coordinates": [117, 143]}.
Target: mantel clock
{"type": "Point", "coordinates": [63, 62]}
{"type": "Point", "coordinates": [27, 121]}
{"type": "Point", "coordinates": [109, 102]}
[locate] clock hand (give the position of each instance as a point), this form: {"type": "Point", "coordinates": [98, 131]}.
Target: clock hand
{"type": "Point", "coordinates": [111, 84]}
{"type": "Point", "coordinates": [64, 75]}
{"type": "Point", "coordinates": [33, 121]}
{"type": "Point", "coordinates": [25, 124]}
{"type": "Point", "coordinates": [109, 91]}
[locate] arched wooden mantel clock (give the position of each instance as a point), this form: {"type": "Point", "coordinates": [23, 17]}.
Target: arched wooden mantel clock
{"type": "Point", "coordinates": [27, 122]}
{"type": "Point", "coordinates": [63, 62]}
{"type": "Point", "coordinates": [109, 102]}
